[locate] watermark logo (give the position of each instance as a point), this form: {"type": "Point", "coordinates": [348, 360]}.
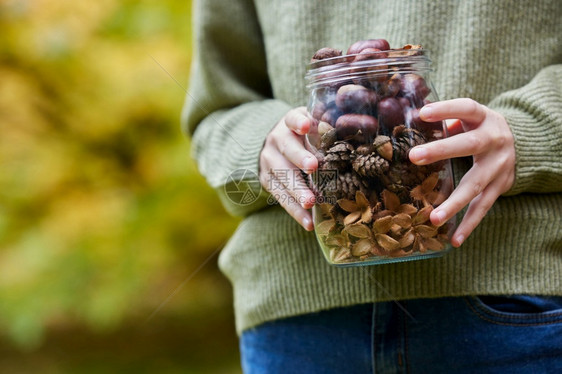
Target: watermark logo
{"type": "Point", "coordinates": [242, 187]}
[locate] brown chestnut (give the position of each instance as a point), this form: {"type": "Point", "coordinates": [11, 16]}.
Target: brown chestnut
{"type": "Point", "coordinates": [358, 127]}
{"type": "Point", "coordinates": [413, 86]}
{"type": "Point", "coordinates": [354, 98]}
{"type": "Point", "coordinates": [357, 47]}
{"type": "Point", "coordinates": [390, 112]}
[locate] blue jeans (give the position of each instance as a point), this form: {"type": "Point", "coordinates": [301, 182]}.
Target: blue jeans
{"type": "Point", "coordinates": [487, 334]}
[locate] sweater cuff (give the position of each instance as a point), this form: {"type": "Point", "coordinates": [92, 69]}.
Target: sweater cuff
{"type": "Point", "coordinates": [229, 155]}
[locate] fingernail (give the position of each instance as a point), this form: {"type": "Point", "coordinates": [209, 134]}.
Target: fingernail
{"type": "Point", "coordinates": [460, 239]}
{"type": "Point", "coordinates": [303, 124]}
{"type": "Point", "coordinates": [306, 223]}
{"type": "Point", "coordinates": [418, 154]}
{"type": "Point", "coordinates": [308, 163]}
{"type": "Point", "coordinates": [426, 112]}
{"type": "Point", "coordinates": [441, 215]}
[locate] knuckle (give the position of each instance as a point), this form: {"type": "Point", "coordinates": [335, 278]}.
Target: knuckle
{"type": "Point", "coordinates": [473, 140]}
{"type": "Point", "coordinates": [477, 188]}
{"type": "Point", "coordinates": [472, 107]}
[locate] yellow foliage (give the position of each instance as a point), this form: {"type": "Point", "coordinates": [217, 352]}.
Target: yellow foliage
{"type": "Point", "coordinates": [97, 191]}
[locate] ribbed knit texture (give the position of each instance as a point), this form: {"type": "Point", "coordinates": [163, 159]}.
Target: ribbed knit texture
{"type": "Point", "coordinates": [248, 71]}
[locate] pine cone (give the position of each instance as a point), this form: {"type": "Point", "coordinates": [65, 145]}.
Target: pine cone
{"type": "Point", "coordinates": [339, 156]}
{"type": "Point", "coordinates": [370, 165]}
{"type": "Point", "coordinates": [402, 177]}
{"type": "Point", "coordinates": [406, 139]}
{"type": "Point", "coordinates": [344, 186]}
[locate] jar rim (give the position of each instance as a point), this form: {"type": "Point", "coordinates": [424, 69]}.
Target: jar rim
{"type": "Point", "coordinates": [345, 67]}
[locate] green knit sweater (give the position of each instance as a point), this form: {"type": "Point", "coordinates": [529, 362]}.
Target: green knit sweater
{"type": "Point", "coordinates": [248, 71]}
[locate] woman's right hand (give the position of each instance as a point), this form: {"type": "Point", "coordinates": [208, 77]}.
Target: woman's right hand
{"type": "Point", "coordinates": [282, 159]}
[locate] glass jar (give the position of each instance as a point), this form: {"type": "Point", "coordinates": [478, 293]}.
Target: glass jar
{"type": "Point", "coordinates": [372, 203]}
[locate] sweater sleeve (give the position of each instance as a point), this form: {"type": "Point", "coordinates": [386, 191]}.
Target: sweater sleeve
{"type": "Point", "coordinates": [534, 114]}
{"type": "Point", "coordinates": [229, 108]}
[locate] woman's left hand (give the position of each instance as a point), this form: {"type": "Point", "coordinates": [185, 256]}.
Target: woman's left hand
{"type": "Point", "coordinates": [478, 132]}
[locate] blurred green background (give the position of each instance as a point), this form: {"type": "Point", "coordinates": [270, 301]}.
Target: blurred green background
{"type": "Point", "coordinates": [108, 234]}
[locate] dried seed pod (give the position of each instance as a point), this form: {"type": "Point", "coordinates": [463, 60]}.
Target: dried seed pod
{"type": "Point", "coordinates": [388, 243]}
{"type": "Point", "coordinates": [382, 225]}
{"type": "Point", "coordinates": [358, 230]}
{"type": "Point", "coordinates": [324, 227]}
{"type": "Point", "coordinates": [336, 240]}
{"type": "Point", "coordinates": [362, 247]}
{"type": "Point", "coordinates": [339, 255]}
{"type": "Point", "coordinates": [407, 239]}
{"type": "Point", "coordinates": [403, 220]}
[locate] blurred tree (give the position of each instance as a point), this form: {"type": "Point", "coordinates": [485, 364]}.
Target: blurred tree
{"type": "Point", "coordinates": [102, 212]}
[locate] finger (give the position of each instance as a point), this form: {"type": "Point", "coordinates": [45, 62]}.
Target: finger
{"type": "Point", "coordinates": [464, 144]}
{"type": "Point", "coordinates": [301, 215]}
{"type": "Point", "coordinates": [298, 121]}
{"type": "Point", "coordinates": [291, 147]}
{"type": "Point", "coordinates": [477, 210]}
{"type": "Point", "coordinates": [467, 110]}
{"type": "Point", "coordinates": [286, 176]}
{"type": "Point", "coordinates": [470, 186]}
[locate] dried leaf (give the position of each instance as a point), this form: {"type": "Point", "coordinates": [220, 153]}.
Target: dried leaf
{"type": "Point", "coordinates": [325, 208]}
{"type": "Point", "coordinates": [417, 193]}
{"type": "Point", "coordinates": [407, 239]}
{"type": "Point", "coordinates": [403, 220]}
{"type": "Point", "coordinates": [382, 214]}
{"type": "Point", "coordinates": [395, 230]}
{"type": "Point", "coordinates": [336, 240]}
{"type": "Point", "coordinates": [324, 227]}
{"type": "Point", "coordinates": [407, 208]}
{"type": "Point", "coordinates": [340, 255]}
{"type": "Point", "coordinates": [366, 215]}
{"type": "Point", "coordinates": [352, 218]}
{"type": "Point", "coordinates": [348, 205]}
{"type": "Point", "coordinates": [432, 244]}
{"type": "Point", "coordinates": [362, 248]}
{"type": "Point", "coordinates": [423, 215]}
{"type": "Point", "coordinates": [391, 200]}
{"type": "Point", "coordinates": [400, 253]}
{"type": "Point", "coordinates": [358, 230]}
{"type": "Point", "coordinates": [382, 225]}
{"type": "Point", "coordinates": [426, 231]}
{"type": "Point", "coordinates": [430, 182]}
{"type": "Point", "coordinates": [388, 243]}
{"type": "Point", "coordinates": [361, 200]}
{"type": "Point", "coordinates": [436, 197]}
